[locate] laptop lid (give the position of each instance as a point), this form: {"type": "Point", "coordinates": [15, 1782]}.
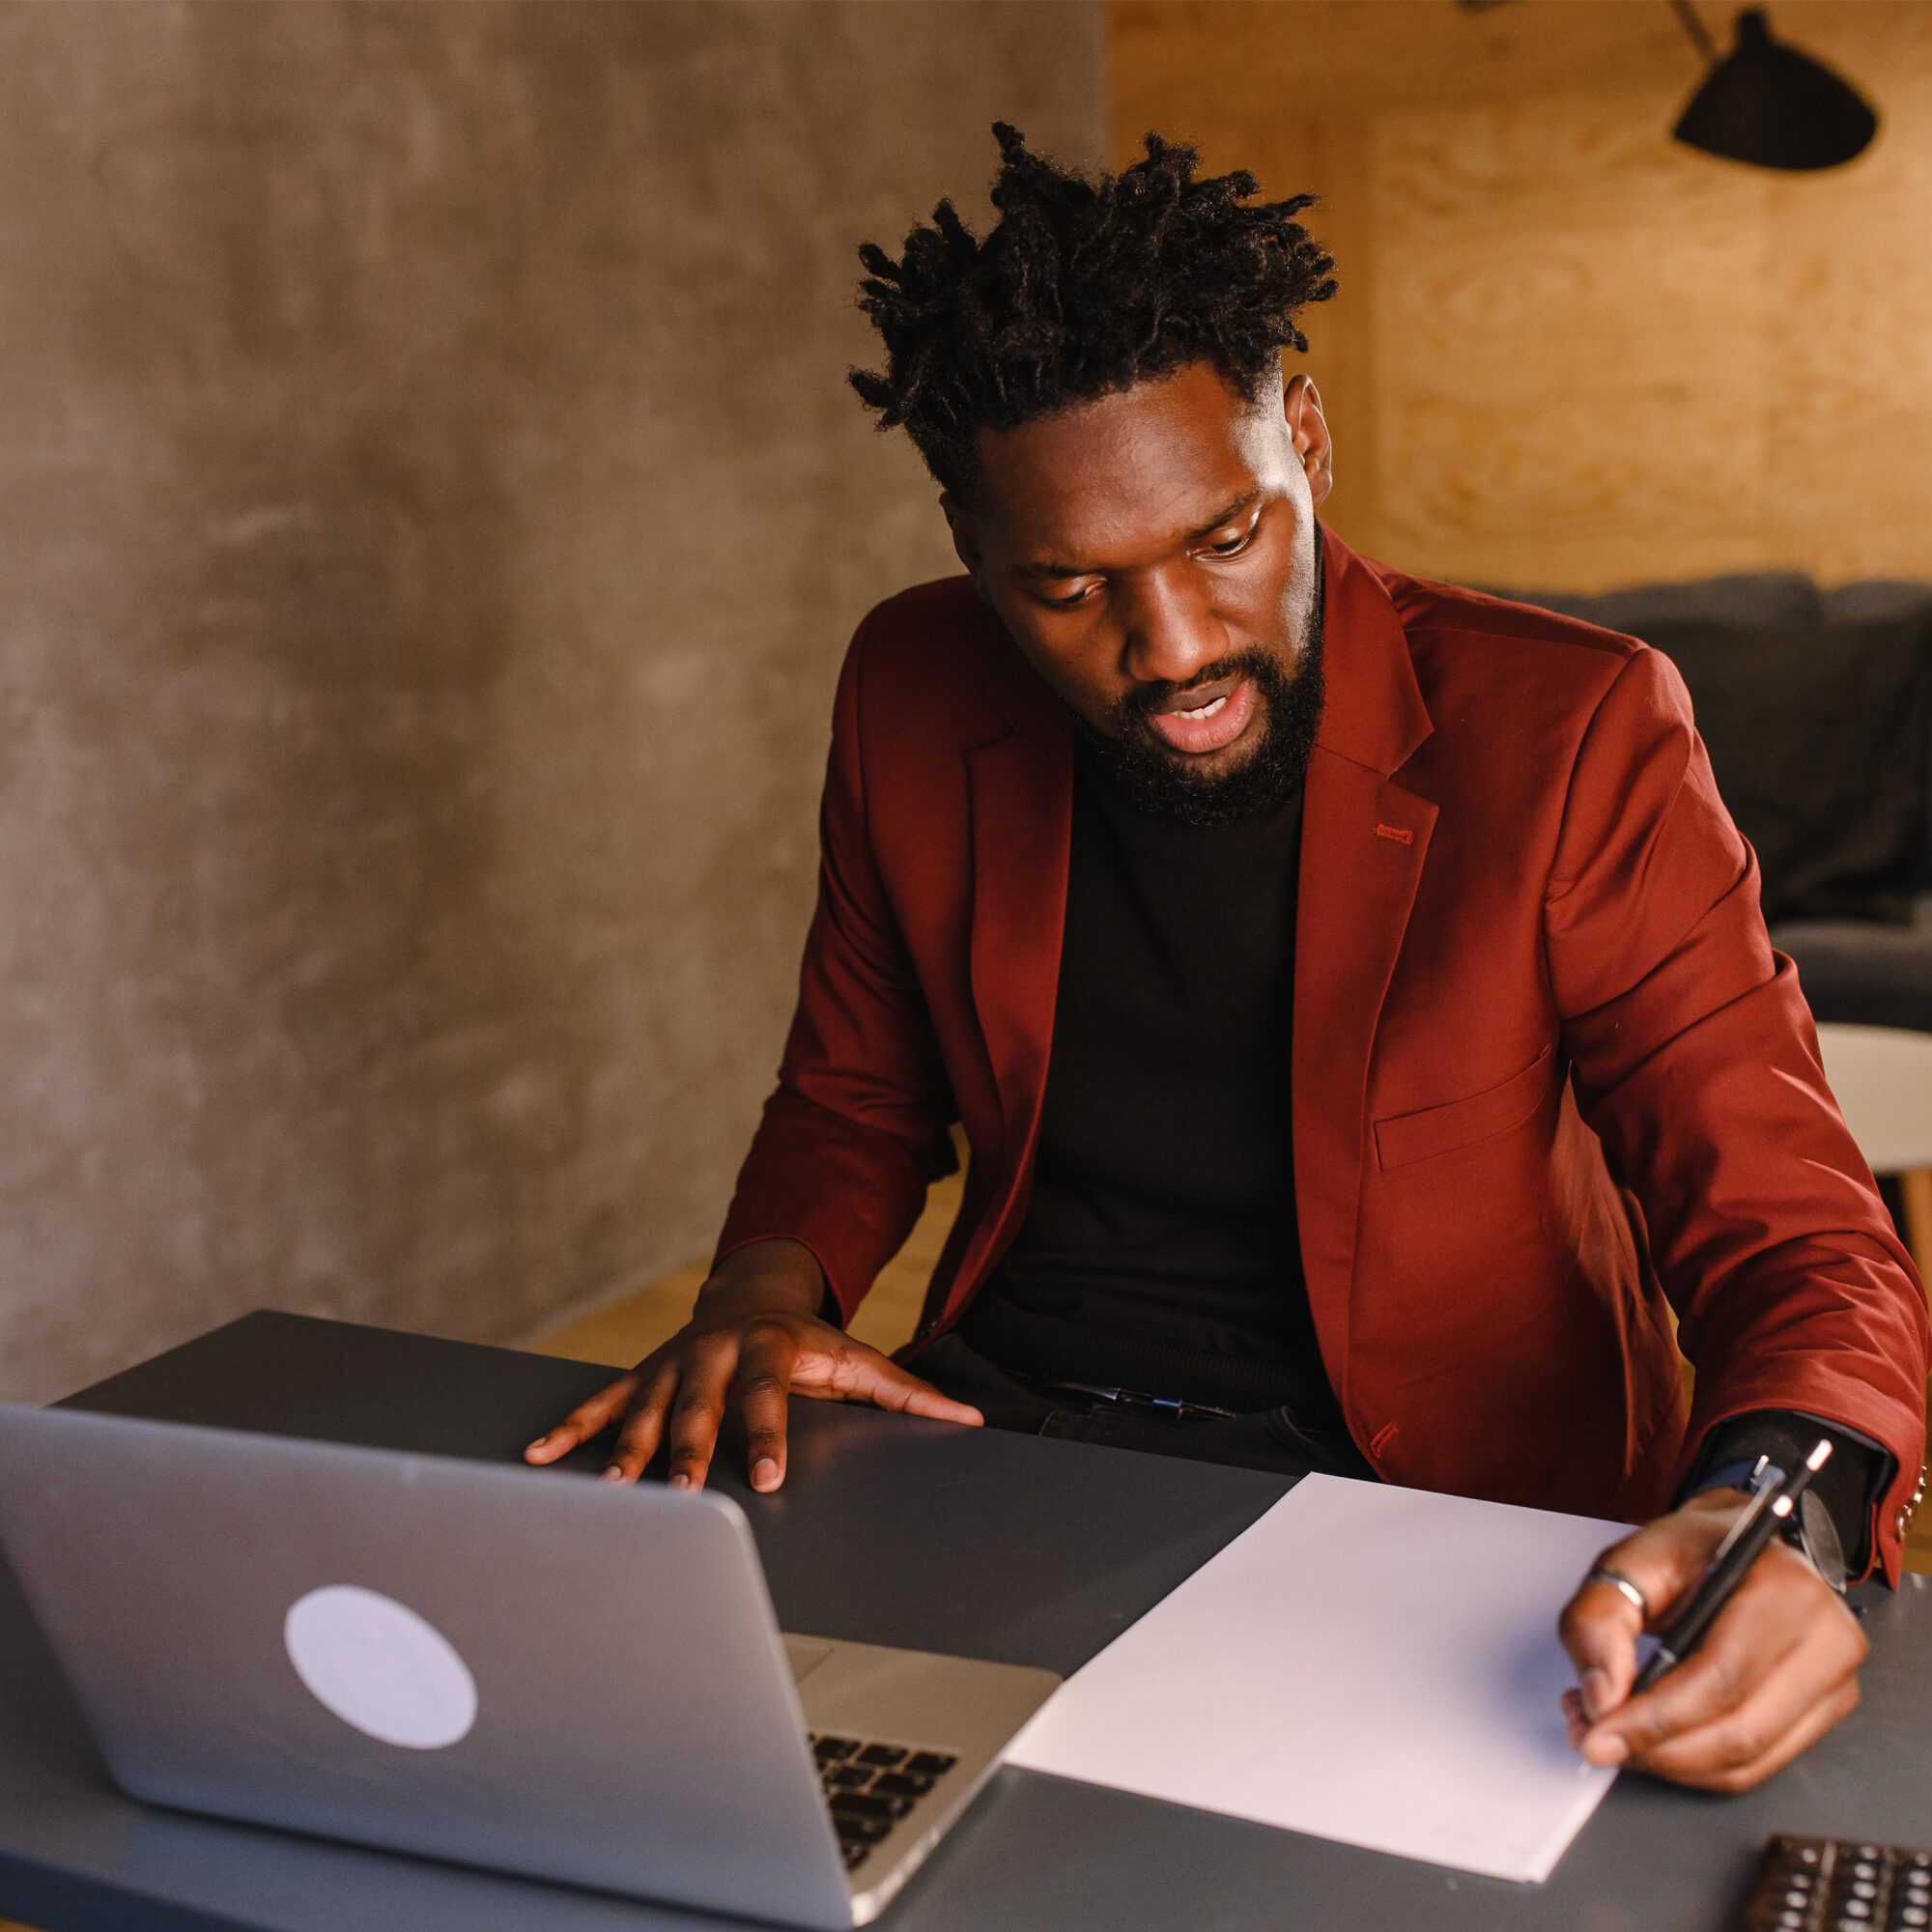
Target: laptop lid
{"type": "Point", "coordinates": [539, 1673]}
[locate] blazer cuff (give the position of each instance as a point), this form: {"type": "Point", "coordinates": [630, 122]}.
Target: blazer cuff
{"type": "Point", "coordinates": [1851, 1484]}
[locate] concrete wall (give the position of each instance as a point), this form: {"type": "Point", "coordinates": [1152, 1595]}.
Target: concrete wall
{"type": "Point", "coordinates": [431, 513]}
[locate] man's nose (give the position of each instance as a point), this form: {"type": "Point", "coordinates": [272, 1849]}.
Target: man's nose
{"type": "Point", "coordinates": [1172, 632]}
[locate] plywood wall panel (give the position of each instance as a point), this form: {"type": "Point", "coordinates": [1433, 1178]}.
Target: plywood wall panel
{"type": "Point", "coordinates": [1239, 65]}
{"type": "Point", "coordinates": [1572, 352]}
{"type": "Point", "coordinates": [1848, 294]}
{"type": "Point", "coordinates": [1559, 387]}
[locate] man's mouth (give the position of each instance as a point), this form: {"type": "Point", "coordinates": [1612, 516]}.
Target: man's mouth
{"type": "Point", "coordinates": [1204, 719]}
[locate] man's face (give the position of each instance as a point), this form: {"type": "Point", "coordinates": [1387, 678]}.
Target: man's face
{"type": "Point", "coordinates": [1152, 554]}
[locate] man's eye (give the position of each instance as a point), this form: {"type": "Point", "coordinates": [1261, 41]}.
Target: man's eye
{"type": "Point", "coordinates": [1232, 545]}
{"type": "Point", "coordinates": [1067, 602]}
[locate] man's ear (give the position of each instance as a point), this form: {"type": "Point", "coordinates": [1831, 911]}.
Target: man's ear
{"type": "Point", "coordinates": [965, 541]}
{"type": "Point", "coordinates": [1309, 427]}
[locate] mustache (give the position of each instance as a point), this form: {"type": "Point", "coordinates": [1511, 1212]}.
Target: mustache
{"type": "Point", "coordinates": [1141, 703]}
{"type": "Point", "coordinates": [1137, 759]}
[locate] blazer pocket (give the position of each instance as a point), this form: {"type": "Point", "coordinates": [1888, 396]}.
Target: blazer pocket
{"type": "Point", "coordinates": [1404, 1138]}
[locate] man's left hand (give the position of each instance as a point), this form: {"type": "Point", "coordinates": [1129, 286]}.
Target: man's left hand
{"type": "Point", "coordinates": [1775, 1671]}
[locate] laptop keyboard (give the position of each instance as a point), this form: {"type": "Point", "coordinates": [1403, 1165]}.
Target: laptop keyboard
{"type": "Point", "coordinates": [871, 1786]}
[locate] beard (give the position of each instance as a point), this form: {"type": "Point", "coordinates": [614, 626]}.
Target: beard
{"type": "Point", "coordinates": [1165, 783]}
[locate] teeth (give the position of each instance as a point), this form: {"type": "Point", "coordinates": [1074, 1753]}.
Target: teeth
{"type": "Point", "coordinates": [1206, 711]}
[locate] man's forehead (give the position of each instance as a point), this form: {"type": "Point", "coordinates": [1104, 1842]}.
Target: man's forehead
{"type": "Point", "coordinates": [1169, 457]}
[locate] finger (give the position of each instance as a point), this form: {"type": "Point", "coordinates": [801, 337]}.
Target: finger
{"type": "Point", "coordinates": [762, 1384]}
{"type": "Point", "coordinates": [1783, 1643]}
{"type": "Point", "coordinates": [1721, 1758]}
{"type": "Point", "coordinates": [638, 1439]}
{"type": "Point", "coordinates": [590, 1419]}
{"type": "Point", "coordinates": [859, 1374]}
{"type": "Point", "coordinates": [698, 1411]}
{"type": "Point", "coordinates": [1600, 1626]}
{"type": "Point", "coordinates": [1732, 1709]}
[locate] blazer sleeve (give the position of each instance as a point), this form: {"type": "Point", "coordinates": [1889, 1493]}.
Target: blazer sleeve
{"type": "Point", "coordinates": [857, 1127]}
{"type": "Point", "coordinates": [1695, 1061]}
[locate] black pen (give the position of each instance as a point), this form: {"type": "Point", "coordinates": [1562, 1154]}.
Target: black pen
{"type": "Point", "coordinates": [1769, 1511]}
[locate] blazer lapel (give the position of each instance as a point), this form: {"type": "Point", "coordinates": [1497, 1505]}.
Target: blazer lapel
{"type": "Point", "coordinates": [1364, 840]}
{"type": "Point", "coordinates": [1021, 784]}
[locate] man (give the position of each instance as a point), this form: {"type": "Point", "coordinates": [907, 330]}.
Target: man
{"type": "Point", "coordinates": [1351, 989]}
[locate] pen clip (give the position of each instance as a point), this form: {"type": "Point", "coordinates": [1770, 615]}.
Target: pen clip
{"type": "Point", "coordinates": [1761, 1500]}
{"type": "Point", "coordinates": [1786, 1490]}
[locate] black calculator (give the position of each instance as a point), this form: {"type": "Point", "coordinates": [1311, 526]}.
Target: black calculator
{"type": "Point", "coordinates": [1837, 1885]}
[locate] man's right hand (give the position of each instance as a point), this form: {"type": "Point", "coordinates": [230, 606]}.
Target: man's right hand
{"type": "Point", "coordinates": [753, 1337]}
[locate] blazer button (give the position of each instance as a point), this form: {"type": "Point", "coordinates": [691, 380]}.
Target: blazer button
{"type": "Point", "coordinates": [1908, 1510]}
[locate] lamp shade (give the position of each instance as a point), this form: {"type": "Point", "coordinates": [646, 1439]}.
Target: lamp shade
{"type": "Point", "coordinates": [1775, 108]}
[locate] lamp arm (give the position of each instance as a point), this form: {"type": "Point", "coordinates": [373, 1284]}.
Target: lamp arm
{"type": "Point", "coordinates": [1700, 38]}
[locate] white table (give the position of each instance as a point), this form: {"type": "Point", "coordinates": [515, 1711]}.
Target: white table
{"type": "Point", "coordinates": [1883, 1079]}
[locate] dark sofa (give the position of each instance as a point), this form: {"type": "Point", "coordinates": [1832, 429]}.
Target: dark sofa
{"type": "Point", "coordinates": [1817, 709]}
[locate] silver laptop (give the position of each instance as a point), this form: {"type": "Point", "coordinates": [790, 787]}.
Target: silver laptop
{"type": "Point", "coordinates": [539, 1673]}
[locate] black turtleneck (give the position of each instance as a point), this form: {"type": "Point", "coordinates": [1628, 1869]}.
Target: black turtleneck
{"type": "Point", "coordinates": [1159, 1250]}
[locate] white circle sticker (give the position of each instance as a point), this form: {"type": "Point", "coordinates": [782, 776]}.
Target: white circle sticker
{"type": "Point", "coordinates": [375, 1663]}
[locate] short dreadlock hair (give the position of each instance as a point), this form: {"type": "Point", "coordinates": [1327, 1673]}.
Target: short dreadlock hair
{"type": "Point", "coordinates": [1082, 288]}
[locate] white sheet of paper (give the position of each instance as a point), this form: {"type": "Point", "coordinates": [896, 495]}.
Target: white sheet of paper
{"type": "Point", "coordinates": [1367, 1663]}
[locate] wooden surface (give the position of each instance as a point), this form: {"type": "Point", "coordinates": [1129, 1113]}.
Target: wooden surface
{"type": "Point", "coordinates": [1916, 1187]}
{"type": "Point", "coordinates": [625, 1331]}
{"type": "Point", "coordinates": [1569, 352]}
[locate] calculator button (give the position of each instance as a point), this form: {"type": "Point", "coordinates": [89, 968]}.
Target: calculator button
{"type": "Point", "coordinates": [1840, 1885]}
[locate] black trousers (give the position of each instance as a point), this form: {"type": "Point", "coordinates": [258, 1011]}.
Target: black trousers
{"type": "Point", "coordinates": [1269, 1438]}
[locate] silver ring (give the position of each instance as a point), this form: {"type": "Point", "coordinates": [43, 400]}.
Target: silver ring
{"type": "Point", "coordinates": [1617, 1580]}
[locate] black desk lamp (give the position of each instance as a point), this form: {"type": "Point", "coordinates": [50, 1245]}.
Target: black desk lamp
{"type": "Point", "coordinates": [1767, 104]}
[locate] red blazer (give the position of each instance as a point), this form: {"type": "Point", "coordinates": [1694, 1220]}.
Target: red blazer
{"type": "Point", "coordinates": [1552, 1083]}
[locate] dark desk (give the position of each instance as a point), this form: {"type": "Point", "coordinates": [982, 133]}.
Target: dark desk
{"type": "Point", "coordinates": [901, 1532]}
